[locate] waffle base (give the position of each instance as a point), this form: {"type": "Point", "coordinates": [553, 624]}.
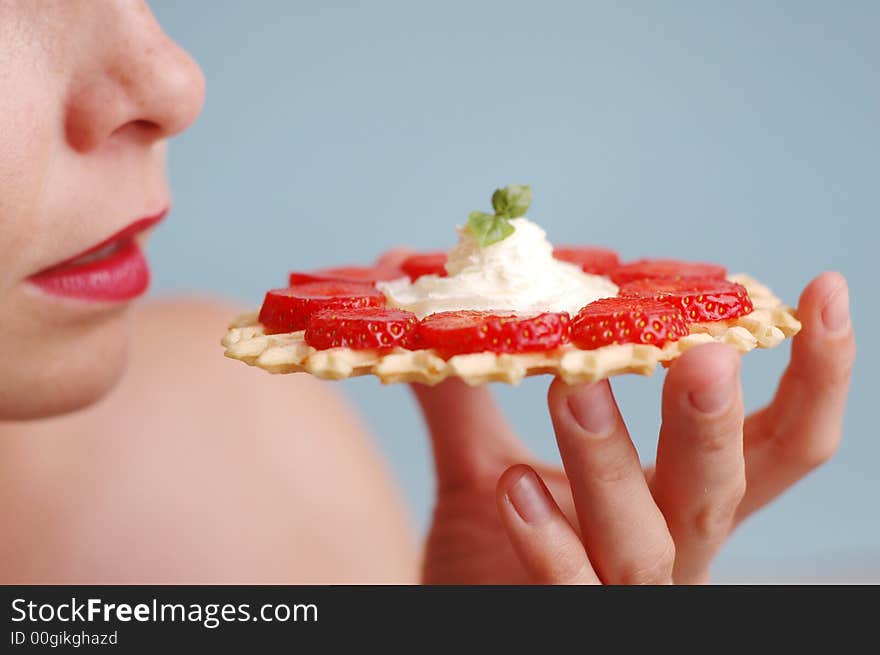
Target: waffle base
{"type": "Point", "coordinates": [767, 326]}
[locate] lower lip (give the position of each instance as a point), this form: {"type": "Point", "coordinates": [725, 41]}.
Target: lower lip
{"type": "Point", "coordinates": [122, 275]}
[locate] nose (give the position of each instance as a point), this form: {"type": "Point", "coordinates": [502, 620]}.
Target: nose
{"type": "Point", "coordinates": [142, 87]}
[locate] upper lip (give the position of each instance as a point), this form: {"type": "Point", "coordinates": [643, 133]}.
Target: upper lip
{"type": "Point", "coordinates": [126, 233]}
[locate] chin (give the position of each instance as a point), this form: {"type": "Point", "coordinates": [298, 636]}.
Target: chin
{"type": "Point", "coordinates": [58, 371]}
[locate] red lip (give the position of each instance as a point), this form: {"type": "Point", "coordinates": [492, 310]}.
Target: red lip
{"type": "Point", "coordinates": [122, 273]}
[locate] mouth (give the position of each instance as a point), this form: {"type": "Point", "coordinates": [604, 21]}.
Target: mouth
{"type": "Point", "coordinates": [114, 270]}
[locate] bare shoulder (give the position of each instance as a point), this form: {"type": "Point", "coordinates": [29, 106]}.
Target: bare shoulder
{"type": "Point", "coordinates": [185, 333]}
{"type": "Point", "coordinates": [178, 354]}
{"type": "Point", "coordinates": [212, 471]}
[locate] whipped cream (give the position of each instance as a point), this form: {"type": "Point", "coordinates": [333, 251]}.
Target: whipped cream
{"type": "Point", "coordinates": [518, 274]}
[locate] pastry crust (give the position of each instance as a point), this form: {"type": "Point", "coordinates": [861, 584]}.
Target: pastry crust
{"type": "Point", "coordinates": [767, 326]}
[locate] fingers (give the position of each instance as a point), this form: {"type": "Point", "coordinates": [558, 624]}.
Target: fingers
{"type": "Point", "coordinates": [542, 537]}
{"type": "Point", "coordinates": [622, 528]}
{"type": "Point", "coordinates": [802, 427]}
{"type": "Point", "coordinates": [699, 478]}
{"type": "Point", "coordinates": [470, 438]}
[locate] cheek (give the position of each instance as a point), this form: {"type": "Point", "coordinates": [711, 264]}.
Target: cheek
{"type": "Point", "coordinates": [58, 371]}
{"type": "Point", "coordinates": [26, 144]}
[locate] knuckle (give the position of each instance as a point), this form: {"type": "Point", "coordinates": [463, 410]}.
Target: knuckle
{"type": "Point", "coordinates": [714, 521]}
{"type": "Point", "coordinates": [656, 568]}
{"type": "Point", "coordinates": [817, 452]}
{"type": "Point", "coordinates": [613, 467]}
{"type": "Point", "coordinates": [716, 434]}
{"type": "Point", "coordinates": [807, 453]}
{"type": "Point", "coordinates": [839, 369]}
{"type": "Point", "coordinates": [566, 570]}
{"type": "Point", "coordinates": [721, 434]}
{"type": "Point", "coordinates": [827, 366]}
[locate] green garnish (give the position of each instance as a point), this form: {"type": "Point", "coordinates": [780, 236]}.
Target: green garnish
{"type": "Point", "coordinates": [489, 228]}
{"type": "Point", "coordinates": [510, 202]}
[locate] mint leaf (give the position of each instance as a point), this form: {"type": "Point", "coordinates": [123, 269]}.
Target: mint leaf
{"type": "Point", "coordinates": [512, 201]}
{"type": "Point", "coordinates": [489, 229]}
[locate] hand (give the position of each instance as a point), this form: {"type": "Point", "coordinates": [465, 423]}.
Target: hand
{"type": "Point", "coordinates": [503, 518]}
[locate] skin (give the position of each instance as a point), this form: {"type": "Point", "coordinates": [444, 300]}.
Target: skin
{"type": "Point", "coordinates": [501, 517]}
{"type": "Point", "coordinates": [131, 452]}
{"type": "Point", "coordinates": [86, 115]}
{"type": "Point", "coordinates": [196, 469]}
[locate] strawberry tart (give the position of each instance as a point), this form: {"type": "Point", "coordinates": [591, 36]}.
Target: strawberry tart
{"type": "Point", "coordinates": [501, 305]}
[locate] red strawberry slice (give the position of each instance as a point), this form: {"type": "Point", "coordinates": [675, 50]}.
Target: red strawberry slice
{"type": "Point", "coordinates": [461, 332]}
{"type": "Point", "coordinates": [699, 299]}
{"type": "Point", "coordinates": [627, 320]}
{"type": "Point", "coordinates": [368, 274]}
{"type": "Point", "coordinates": [288, 310]}
{"type": "Point", "coordinates": [426, 263]}
{"type": "Point", "coordinates": [665, 269]}
{"type": "Point", "coordinates": [597, 261]}
{"type": "Point", "coordinates": [360, 329]}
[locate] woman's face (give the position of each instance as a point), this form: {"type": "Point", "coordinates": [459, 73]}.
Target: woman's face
{"type": "Point", "coordinates": [89, 92]}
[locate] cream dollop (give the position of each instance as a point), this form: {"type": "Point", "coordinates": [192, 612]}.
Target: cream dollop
{"type": "Point", "coordinates": [517, 274]}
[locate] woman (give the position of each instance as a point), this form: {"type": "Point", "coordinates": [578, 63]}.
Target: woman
{"type": "Point", "coordinates": [181, 468]}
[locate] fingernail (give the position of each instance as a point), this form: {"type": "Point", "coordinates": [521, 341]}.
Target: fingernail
{"type": "Point", "coordinates": [835, 314]}
{"type": "Point", "coordinates": [593, 407]}
{"type": "Point", "coordinates": [528, 498]}
{"type": "Point", "coordinates": [714, 397]}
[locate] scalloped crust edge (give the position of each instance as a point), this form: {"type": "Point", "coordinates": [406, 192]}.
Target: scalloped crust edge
{"type": "Point", "coordinates": [767, 326]}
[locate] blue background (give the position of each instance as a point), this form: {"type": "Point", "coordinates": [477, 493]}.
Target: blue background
{"type": "Point", "coordinates": [741, 132]}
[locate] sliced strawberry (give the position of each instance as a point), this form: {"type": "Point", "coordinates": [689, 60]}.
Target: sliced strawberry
{"type": "Point", "coordinates": [368, 274]}
{"type": "Point", "coordinates": [288, 310]}
{"type": "Point", "coordinates": [699, 299]}
{"type": "Point", "coordinates": [461, 332]}
{"type": "Point", "coordinates": [627, 320]}
{"type": "Point", "coordinates": [665, 269]}
{"type": "Point", "coordinates": [360, 329]}
{"type": "Point", "coordinates": [426, 263]}
{"type": "Point", "coordinates": [597, 261]}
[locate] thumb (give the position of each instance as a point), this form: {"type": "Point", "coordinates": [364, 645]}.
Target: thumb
{"type": "Point", "coordinates": [470, 438]}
